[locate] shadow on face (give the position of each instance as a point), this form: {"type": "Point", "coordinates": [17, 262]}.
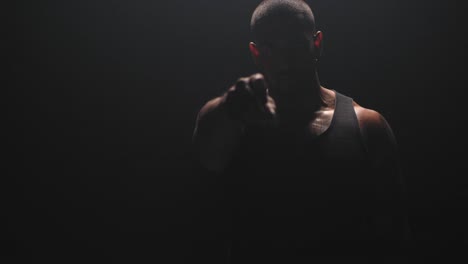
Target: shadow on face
{"type": "Point", "coordinates": [287, 58]}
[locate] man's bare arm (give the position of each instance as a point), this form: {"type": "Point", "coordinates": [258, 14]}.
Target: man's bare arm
{"type": "Point", "coordinates": [391, 220]}
{"type": "Point", "coordinates": [221, 121]}
{"type": "Point", "coordinates": [216, 136]}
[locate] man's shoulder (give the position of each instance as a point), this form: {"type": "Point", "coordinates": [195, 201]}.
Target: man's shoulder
{"type": "Point", "coordinates": [369, 118]}
{"type": "Point", "coordinates": [374, 127]}
{"type": "Point", "coordinates": [210, 105]}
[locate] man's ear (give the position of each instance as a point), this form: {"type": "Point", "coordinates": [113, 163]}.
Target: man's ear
{"type": "Point", "coordinates": [318, 43]}
{"type": "Point", "coordinates": [254, 51]}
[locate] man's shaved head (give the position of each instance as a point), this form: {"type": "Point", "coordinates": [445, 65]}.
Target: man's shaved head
{"type": "Point", "coordinates": [280, 17]}
{"type": "Point", "coordinates": [286, 46]}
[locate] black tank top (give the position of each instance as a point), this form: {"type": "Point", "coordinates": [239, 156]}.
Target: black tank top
{"type": "Point", "coordinates": [295, 197]}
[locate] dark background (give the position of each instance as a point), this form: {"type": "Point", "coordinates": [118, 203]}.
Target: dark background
{"type": "Point", "coordinates": [102, 98]}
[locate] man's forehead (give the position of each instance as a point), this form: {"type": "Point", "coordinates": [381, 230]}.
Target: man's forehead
{"type": "Point", "coordinates": [288, 38]}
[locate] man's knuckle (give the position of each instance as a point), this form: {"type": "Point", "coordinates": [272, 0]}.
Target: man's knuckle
{"type": "Point", "coordinates": [257, 75]}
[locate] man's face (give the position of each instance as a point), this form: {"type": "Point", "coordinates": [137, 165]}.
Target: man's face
{"type": "Point", "coordinates": [287, 59]}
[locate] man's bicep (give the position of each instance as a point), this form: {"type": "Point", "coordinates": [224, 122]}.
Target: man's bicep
{"type": "Point", "coordinates": [380, 140]}
{"type": "Point", "coordinates": [384, 156]}
{"type": "Point", "coordinates": [391, 215]}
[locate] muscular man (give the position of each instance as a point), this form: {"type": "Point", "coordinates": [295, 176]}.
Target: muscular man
{"type": "Point", "coordinates": [308, 173]}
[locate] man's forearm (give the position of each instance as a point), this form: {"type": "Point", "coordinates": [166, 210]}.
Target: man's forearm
{"type": "Point", "coordinates": [216, 136]}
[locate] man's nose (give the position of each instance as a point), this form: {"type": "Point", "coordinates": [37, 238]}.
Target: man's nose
{"type": "Point", "coordinates": [286, 60]}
